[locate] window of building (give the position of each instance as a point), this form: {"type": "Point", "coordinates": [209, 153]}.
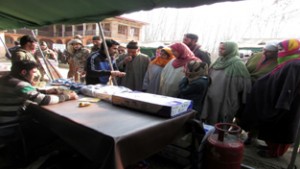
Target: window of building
{"type": "Point", "coordinates": [135, 31]}
{"type": "Point", "coordinates": [79, 27]}
{"type": "Point", "coordinates": [106, 29]}
{"type": "Point", "coordinates": [89, 27]}
{"type": "Point", "coordinates": [68, 28]}
{"type": "Point", "coordinates": [122, 29]}
{"type": "Point", "coordinates": [45, 28]}
{"type": "Point", "coordinates": [9, 40]}
{"type": "Point", "coordinates": [106, 26]}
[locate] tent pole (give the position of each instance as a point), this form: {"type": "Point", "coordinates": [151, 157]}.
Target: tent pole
{"type": "Point", "coordinates": [5, 47]}
{"type": "Point", "coordinates": [106, 51]}
{"type": "Point", "coordinates": [295, 149]}
{"type": "Point", "coordinates": [44, 59]}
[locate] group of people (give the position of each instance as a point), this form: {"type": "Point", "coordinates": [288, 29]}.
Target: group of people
{"type": "Point", "coordinates": [272, 108]}
{"type": "Point", "coordinates": [262, 95]}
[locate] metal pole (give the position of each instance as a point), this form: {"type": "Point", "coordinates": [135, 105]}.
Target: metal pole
{"type": "Point", "coordinates": [44, 59]}
{"type": "Point", "coordinates": [295, 150]}
{"type": "Point", "coordinates": [5, 47]}
{"type": "Point", "coordinates": [106, 51]}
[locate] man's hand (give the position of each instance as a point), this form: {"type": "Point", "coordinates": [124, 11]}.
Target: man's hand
{"type": "Point", "coordinates": [127, 59]}
{"type": "Point", "coordinates": [54, 91]}
{"type": "Point", "coordinates": [117, 73]}
{"type": "Point", "coordinates": [72, 95]}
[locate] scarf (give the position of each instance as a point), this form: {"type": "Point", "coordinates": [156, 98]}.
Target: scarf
{"type": "Point", "coordinates": [227, 62]}
{"type": "Point", "coordinates": [161, 61]}
{"type": "Point", "coordinates": [289, 50]}
{"type": "Point", "coordinates": [185, 55]}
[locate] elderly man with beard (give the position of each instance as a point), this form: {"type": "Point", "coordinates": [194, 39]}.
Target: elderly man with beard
{"type": "Point", "coordinates": [98, 68]}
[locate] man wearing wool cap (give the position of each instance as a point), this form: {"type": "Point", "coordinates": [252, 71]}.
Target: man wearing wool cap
{"type": "Point", "coordinates": [271, 46]}
{"type": "Point", "coordinates": [134, 64]}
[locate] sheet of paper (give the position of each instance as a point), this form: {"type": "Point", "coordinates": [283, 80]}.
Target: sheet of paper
{"type": "Point", "coordinates": [89, 99]}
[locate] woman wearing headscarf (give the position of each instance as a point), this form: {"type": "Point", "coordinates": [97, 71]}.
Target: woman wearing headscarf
{"type": "Point", "coordinates": [173, 72]}
{"type": "Point", "coordinates": [273, 105]}
{"type": "Point", "coordinates": [195, 83]}
{"type": "Point", "coordinates": [230, 83]}
{"type": "Point", "coordinates": [152, 76]}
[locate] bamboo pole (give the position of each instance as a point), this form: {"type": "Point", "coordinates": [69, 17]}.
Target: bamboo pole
{"type": "Point", "coordinates": [106, 51]}
{"type": "Point", "coordinates": [48, 72]}
{"type": "Point", "coordinates": [5, 47]}
{"type": "Point", "coordinates": [295, 150]}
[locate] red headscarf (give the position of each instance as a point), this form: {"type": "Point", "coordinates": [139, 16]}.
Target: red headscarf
{"type": "Point", "coordinates": [185, 55]}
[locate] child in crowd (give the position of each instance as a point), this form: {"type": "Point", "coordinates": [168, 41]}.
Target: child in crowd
{"type": "Point", "coordinates": [195, 83]}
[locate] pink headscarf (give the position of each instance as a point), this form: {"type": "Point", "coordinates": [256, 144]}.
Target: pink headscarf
{"type": "Point", "coordinates": [185, 55]}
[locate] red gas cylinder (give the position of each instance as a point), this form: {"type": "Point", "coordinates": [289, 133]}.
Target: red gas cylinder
{"type": "Point", "coordinates": [224, 148]}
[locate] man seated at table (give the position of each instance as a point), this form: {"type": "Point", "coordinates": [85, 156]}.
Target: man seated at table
{"type": "Point", "coordinates": [16, 89]}
{"type": "Point", "coordinates": [16, 93]}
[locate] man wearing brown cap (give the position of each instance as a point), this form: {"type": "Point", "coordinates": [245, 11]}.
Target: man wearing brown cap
{"type": "Point", "coordinates": [135, 65]}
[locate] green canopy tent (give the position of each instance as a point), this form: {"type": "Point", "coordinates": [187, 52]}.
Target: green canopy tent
{"type": "Point", "coordinates": [34, 13]}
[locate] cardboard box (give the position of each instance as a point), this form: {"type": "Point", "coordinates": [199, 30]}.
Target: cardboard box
{"type": "Point", "coordinates": [103, 92]}
{"type": "Point", "coordinates": [151, 103]}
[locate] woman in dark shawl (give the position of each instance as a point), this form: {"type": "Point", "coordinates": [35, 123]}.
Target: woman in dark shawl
{"type": "Point", "coordinates": [273, 106]}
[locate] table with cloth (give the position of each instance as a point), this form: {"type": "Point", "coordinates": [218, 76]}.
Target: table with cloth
{"type": "Point", "coordinates": [110, 136]}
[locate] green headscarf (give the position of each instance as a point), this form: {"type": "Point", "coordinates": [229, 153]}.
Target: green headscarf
{"type": "Point", "coordinates": [231, 61]}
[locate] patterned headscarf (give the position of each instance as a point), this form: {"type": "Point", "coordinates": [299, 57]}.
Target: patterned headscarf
{"type": "Point", "coordinates": [161, 61]}
{"type": "Point", "coordinates": [289, 49]}
{"type": "Point", "coordinates": [195, 69]}
{"type": "Point", "coordinates": [185, 55]}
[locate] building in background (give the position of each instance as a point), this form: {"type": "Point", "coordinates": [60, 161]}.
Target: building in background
{"type": "Point", "coordinates": [118, 28]}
